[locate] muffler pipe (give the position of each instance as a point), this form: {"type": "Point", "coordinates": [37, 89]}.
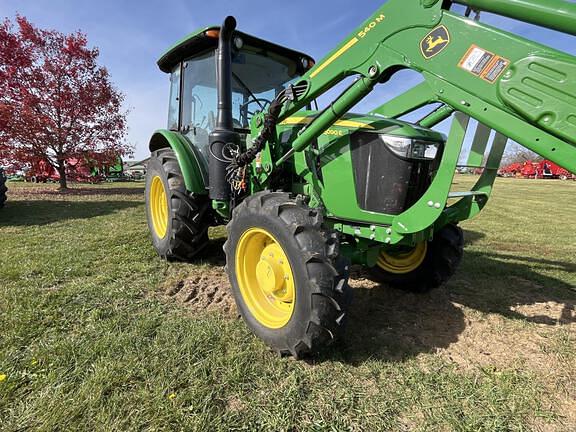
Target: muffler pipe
{"type": "Point", "coordinates": [223, 133]}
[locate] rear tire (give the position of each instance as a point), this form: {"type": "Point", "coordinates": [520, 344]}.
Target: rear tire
{"type": "Point", "coordinates": [178, 222]}
{"type": "Point", "coordinates": [3, 188]}
{"type": "Point", "coordinates": [313, 314]}
{"type": "Point", "coordinates": [443, 256]}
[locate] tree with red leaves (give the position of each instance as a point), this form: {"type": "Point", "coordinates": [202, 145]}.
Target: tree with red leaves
{"type": "Point", "coordinates": [56, 102]}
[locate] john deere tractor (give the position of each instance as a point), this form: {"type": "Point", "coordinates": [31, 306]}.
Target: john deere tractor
{"type": "Point", "coordinates": [306, 191]}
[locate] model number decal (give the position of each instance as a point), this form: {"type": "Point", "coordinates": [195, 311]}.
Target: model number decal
{"type": "Point", "coordinates": [347, 46]}
{"type": "Point", "coordinates": [334, 132]}
{"type": "Point", "coordinates": [371, 26]}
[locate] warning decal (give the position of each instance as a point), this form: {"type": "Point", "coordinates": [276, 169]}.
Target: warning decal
{"type": "Point", "coordinates": [483, 64]}
{"type": "Point", "coordinates": [495, 70]}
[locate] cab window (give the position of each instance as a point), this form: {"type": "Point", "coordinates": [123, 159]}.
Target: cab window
{"type": "Point", "coordinates": [174, 104]}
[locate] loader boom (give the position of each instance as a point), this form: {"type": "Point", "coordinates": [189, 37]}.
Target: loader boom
{"type": "Point", "coordinates": [519, 88]}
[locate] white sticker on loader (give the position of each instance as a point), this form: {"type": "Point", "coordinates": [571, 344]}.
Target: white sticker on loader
{"type": "Point", "coordinates": [476, 60]}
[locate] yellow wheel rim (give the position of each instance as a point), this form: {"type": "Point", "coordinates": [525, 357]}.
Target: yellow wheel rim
{"type": "Point", "coordinates": [265, 278]}
{"type": "Point", "coordinates": [402, 262]}
{"type": "Point", "coordinates": [158, 207]}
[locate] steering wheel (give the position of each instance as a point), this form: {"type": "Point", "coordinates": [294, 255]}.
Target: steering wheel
{"type": "Point", "coordinates": [246, 114]}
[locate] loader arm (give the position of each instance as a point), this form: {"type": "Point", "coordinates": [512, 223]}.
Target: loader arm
{"type": "Point", "coordinates": [515, 87]}
{"type": "Point", "coordinates": [519, 88]}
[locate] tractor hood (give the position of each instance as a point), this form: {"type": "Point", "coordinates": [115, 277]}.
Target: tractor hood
{"type": "Point", "coordinates": [351, 122]}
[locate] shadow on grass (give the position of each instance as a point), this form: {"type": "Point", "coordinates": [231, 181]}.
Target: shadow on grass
{"type": "Point", "coordinates": [83, 191]}
{"type": "Point", "coordinates": [394, 325]}
{"type": "Point", "coordinates": [43, 212]}
{"type": "Point", "coordinates": [51, 190]}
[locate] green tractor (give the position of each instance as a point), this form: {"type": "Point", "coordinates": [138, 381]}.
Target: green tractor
{"type": "Point", "coordinates": [3, 188]}
{"type": "Point", "coordinates": [305, 192]}
{"type": "Point", "coordinates": [111, 172]}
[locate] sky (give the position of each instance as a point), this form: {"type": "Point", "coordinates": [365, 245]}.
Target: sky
{"type": "Point", "coordinates": [131, 35]}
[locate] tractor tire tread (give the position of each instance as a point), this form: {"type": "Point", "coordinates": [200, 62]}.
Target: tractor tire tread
{"type": "Point", "coordinates": [189, 221]}
{"type": "Point", "coordinates": [326, 273]}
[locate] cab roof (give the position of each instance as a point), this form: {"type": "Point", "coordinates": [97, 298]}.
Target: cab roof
{"type": "Point", "coordinates": [198, 42]}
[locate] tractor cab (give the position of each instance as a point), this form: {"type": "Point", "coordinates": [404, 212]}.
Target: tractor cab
{"type": "Point", "coordinates": [259, 71]}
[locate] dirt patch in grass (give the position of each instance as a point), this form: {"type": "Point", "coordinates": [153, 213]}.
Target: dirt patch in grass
{"type": "Point", "coordinates": [204, 289]}
{"type": "Point", "coordinates": [560, 313]}
{"type": "Point", "coordinates": [489, 342]}
{"type": "Point", "coordinates": [533, 344]}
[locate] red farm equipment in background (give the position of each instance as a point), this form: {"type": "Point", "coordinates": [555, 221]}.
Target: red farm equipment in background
{"type": "Point", "coordinates": [529, 169]}
{"type": "Point", "coordinates": [544, 169]}
{"type": "Point", "coordinates": [511, 170]}
{"type": "Point", "coordinates": [549, 170]}
{"type": "Point", "coordinates": [40, 171]}
{"type": "Point", "coordinates": [81, 170]}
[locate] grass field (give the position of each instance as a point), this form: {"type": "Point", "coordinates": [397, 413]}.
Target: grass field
{"type": "Point", "coordinates": [96, 333]}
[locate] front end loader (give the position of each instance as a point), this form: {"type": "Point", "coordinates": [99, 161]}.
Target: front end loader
{"type": "Point", "coordinates": [306, 191]}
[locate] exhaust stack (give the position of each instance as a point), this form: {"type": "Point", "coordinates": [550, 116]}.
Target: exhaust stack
{"type": "Point", "coordinates": [223, 132]}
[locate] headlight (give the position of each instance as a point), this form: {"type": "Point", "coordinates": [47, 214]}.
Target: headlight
{"type": "Point", "coordinates": [411, 148]}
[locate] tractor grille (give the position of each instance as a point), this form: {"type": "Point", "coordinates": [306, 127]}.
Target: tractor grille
{"type": "Point", "coordinates": [385, 182]}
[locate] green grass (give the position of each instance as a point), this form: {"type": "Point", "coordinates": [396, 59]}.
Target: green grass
{"type": "Point", "coordinates": [89, 340]}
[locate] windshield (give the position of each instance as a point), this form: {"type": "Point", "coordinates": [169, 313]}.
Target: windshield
{"type": "Point", "coordinates": [256, 81]}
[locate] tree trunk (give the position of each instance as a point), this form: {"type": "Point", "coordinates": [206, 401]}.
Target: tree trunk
{"type": "Point", "coordinates": [62, 172]}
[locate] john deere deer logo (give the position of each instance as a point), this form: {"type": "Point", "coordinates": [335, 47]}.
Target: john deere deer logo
{"type": "Point", "coordinates": [434, 42]}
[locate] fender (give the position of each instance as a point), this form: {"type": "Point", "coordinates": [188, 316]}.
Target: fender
{"type": "Point", "coordinates": [191, 161]}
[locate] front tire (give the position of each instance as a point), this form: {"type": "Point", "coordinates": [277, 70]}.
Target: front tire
{"type": "Point", "coordinates": [425, 267]}
{"type": "Point", "coordinates": [289, 283]}
{"type": "Point", "coordinates": [177, 219]}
